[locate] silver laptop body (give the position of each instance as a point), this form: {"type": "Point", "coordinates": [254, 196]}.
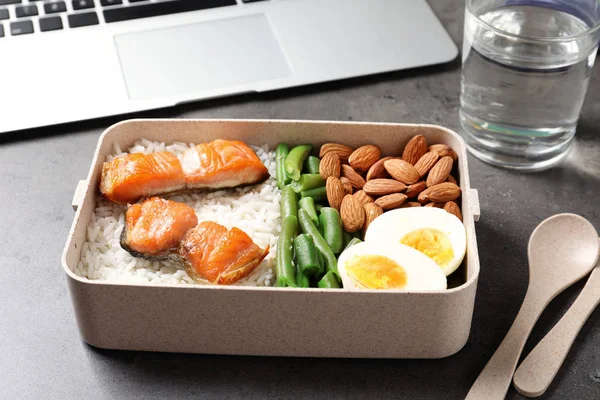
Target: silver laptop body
{"type": "Point", "coordinates": [83, 59]}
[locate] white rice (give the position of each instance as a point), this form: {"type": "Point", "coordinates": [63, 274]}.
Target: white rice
{"type": "Point", "coordinates": [253, 209]}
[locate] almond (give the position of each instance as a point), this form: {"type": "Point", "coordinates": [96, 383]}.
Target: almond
{"type": "Point", "coordinates": [414, 149]}
{"type": "Point", "coordinates": [413, 190]}
{"type": "Point", "coordinates": [352, 214]}
{"type": "Point", "coordinates": [441, 192]}
{"type": "Point", "coordinates": [372, 211]}
{"type": "Point", "coordinates": [451, 179]}
{"type": "Point", "coordinates": [440, 171]}
{"type": "Point", "coordinates": [426, 162]}
{"type": "Point", "coordinates": [335, 192]}
{"type": "Point", "coordinates": [410, 204]}
{"type": "Point", "coordinates": [362, 158]}
{"type": "Point", "coordinates": [363, 197]}
{"type": "Point", "coordinates": [453, 154]}
{"type": "Point", "coordinates": [347, 186]}
{"type": "Point", "coordinates": [402, 171]}
{"type": "Point", "coordinates": [355, 179]}
{"type": "Point", "coordinates": [341, 150]}
{"type": "Point", "coordinates": [391, 201]}
{"type": "Point", "coordinates": [443, 151]}
{"type": "Point", "coordinates": [380, 187]}
{"type": "Point", "coordinates": [377, 170]}
{"type": "Point", "coordinates": [330, 166]}
{"type": "Point", "coordinates": [453, 209]}
{"type": "Point", "coordinates": [436, 205]}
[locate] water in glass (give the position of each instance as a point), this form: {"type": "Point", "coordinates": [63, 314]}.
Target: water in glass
{"type": "Point", "coordinates": [524, 79]}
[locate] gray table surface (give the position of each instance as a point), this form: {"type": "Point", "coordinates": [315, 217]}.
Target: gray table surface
{"type": "Point", "coordinates": [42, 355]}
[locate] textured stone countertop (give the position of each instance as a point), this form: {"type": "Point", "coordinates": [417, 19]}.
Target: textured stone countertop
{"type": "Point", "coordinates": [43, 357]}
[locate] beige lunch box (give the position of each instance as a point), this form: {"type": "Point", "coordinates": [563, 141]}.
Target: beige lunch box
{"type": "Point", "coordinates": [270, 321]}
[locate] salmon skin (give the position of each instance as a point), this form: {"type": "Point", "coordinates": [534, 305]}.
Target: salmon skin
{"type": "Point", "coordinates": [155, 228]}
{"type": "Point", "coordinates": [212, 252]}
{"type": "Point", "coordinates": [216, 165]}
{"type": "Point", "coordinates": [128, 178]}
{"type": "Point", "coordinates": [222, 164]}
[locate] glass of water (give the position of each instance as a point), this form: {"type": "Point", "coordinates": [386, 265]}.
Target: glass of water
{"type": "Point", "coordinates": [526, 67]}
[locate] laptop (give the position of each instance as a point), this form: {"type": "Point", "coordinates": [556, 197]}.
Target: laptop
{"type": "Point", "coordinates": [72, 60]}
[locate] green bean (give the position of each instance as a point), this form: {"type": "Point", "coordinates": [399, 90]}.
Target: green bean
{"type": "Point", "coordinates": [320, 243]}
{"type": "Point", "coordinates": [352, 243]}
{"type": "Point", "coordinates": [307, 181]}
{"type": "Point", "coordinates": [302, 280]}
{"type": "Point", "coordinates": [319, 206]}
{"type": "Point", "coordinates": [295, 159]}
{"type": "Point", "coordinates": [281, 153]}
{"type": "Point", "coordinates": [289, 202]}
{"type": "Point", "coordinates": [307, 259]}
{"type": "Point", "coordinates": [356, 235]}
{"type": "Point", "coordinates": [319, 195]}
{"type": "Point", "coordinates": [332, 228]}
{"type": "Point", "coordinates": [321, 265]}
{"type": "Point", "coordinates": [284, 259]}
{"type": "Point", "coordinates": [311, 165]}
{"type": "Point", "coordinates": [320, 229]}
{"type": "Point", "coordinates": [308, 204]}
{"type": "Point", "coordinates": [347, 238]}
{"type": "Point", "coordinates": [328, 281]}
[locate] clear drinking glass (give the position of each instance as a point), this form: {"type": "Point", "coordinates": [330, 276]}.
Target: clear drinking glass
{"type": "Point", "coordinates": [526, 67]}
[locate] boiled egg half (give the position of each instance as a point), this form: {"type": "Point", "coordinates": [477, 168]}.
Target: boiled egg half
{"type": "Point", "coordinates": [434, 232]}
{"type": "Point", "coordinates": [389, 266]}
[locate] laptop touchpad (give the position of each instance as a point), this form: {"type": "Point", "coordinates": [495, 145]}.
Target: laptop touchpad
{"type": "Point", "coordinates": [200, 57]}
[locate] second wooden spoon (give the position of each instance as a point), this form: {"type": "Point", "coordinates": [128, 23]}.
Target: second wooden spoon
{"type": "Point", "coordinates": [539, 368]}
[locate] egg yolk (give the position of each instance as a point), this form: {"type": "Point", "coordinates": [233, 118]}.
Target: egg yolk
{"type": "Point", "coordinates": [431, 242]}
{"type": "Point", "coordinates": [376, 272]}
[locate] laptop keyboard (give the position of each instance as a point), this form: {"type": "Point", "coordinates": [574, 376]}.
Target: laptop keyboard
{"type": "Point", "coordinates": [21, 17]}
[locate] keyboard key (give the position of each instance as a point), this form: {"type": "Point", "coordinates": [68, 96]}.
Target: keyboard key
{"type": "Point", "coordinates": [21, 27]}
{"type": "Point", "coordinates": [50, 24]}
{"type": "Point", "coordinates": [4, 13]}
{"type": "Point", "coordinates": [55, 7]}
{"type": "Point", "coordinates": [110, 2]}
{"type": "Point", "coordinates": [82, 4]}
{"type": "Point", "coordinates": [5, 2]}
{"type": "Point", "coordinates": [162, 8]}
{"type": "Point", "coordinates": [83, 19]}
{"type": "Point", "coordinates": [26, 11]}
{"type": "Point", "coordinates": [1, 30]}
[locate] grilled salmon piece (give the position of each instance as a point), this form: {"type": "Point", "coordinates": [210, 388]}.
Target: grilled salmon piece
{"type": "Point", "coordinates": [154, 228]}
{"type": "Point", "coordinates": [210, 251]}
{"type": "Point", "coordinates": [128, 178]}
{"type": "Point", "coordinates": [222, 164]}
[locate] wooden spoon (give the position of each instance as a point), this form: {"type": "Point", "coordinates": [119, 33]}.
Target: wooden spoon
{"type": "Point", "coordinates": [562, 250]}
{"type": "Point", "coordinates": [539, 368]}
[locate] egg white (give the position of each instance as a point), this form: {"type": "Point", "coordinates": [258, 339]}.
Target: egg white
{"type": "Point", "coordinates": [393, 225]}
{"type": "Point", "coordinates": [422, 273]}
